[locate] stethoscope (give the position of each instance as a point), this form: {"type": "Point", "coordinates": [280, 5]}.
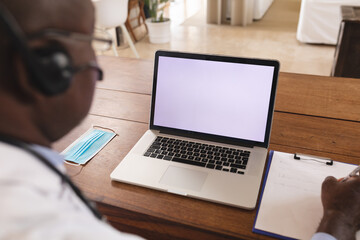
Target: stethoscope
{"type": "Point", "coordinates": [64, 178]}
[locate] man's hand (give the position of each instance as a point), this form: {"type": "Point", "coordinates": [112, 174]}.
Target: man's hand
{"type": "Point", "coordinates": [341, 202]}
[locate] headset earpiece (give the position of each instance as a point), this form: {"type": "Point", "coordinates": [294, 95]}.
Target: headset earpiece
{"type": "Point", "coordinates": [49, 68]}
{"type": "Point", "coordinates": [54, 67]}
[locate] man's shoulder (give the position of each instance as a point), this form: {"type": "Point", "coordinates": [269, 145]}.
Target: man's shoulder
{"type": "Point", "coordinates": [19, 165]}
{"type": "Point", "coordinates": [33, 201]}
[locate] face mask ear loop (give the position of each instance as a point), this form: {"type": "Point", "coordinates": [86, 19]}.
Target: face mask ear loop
{"type": "Point", "coordinates": [74, 164]}
{"type": "Point", "coordinates": [78, 165]}
{"type": "Point", "coordinates": [112, 130]}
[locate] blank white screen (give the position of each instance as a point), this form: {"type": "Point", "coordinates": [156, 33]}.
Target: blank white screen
{"type": "Point", "coordinates": [226, 99]}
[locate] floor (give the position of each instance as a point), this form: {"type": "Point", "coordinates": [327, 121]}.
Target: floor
{"type": "Point", "coordinates": [272, 37]}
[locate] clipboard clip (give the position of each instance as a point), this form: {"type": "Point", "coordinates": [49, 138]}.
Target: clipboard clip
{"type": "Point", "coordinates": [327, 161]}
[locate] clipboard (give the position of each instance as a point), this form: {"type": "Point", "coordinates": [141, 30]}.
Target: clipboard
{"type": "Point", "coordinates": [290, 204]}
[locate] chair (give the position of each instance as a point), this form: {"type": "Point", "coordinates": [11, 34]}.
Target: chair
{"type": "Point", "coordinates": [136, 18]}
{"type": "Point", "coordinates": [260, 8]}
{"type": "Point", "coordinates": [111, 14]}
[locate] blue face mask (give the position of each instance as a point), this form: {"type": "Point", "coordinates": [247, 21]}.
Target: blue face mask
{"type": "Point", "coordinates": [87, 146]}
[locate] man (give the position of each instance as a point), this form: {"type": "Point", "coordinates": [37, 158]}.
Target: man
{"type": "Point", "coordinates": [36, 201]}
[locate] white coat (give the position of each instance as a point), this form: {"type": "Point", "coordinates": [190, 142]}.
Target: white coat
{"type": "Point", "coordinates": [35, 204]}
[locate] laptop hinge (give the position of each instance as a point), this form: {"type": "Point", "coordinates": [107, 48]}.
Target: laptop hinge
{"type": "Point", "coordinates": [210, 139]}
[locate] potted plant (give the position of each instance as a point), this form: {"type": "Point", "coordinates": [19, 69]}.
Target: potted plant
{"type": "Point", "coordinates": [158, 25]}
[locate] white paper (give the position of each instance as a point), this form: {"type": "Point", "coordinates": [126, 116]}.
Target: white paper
{"type": "Point", "coordinates": [291, 204]}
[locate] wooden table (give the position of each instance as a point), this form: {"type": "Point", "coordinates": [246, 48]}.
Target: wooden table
{"type": "Point", "coordinates": [313, 115]}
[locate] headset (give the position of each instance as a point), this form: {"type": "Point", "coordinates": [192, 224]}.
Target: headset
{"type": "Point", "coordinates": [50, 71]}
{"type": "Point", "coordinates": [49, 68]}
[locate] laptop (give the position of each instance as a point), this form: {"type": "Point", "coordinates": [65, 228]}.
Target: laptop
{"type": "Point", "coordinates": [209, 128]}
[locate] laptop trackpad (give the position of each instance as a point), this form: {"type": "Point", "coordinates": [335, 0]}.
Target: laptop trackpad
{"type": "Point", "coordinates": [184, 178]}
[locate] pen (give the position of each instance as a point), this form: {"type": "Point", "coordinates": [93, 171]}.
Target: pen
{"type": "Point", "coordinates": [354, 173]}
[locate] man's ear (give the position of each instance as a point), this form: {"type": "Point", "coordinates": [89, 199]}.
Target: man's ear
{"type": "Point", "coordinates": [23, 90]}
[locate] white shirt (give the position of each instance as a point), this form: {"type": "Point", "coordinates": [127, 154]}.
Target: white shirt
{"type": "Point", "coordinates": [34, 204]}
{"type": "Point", "coordinates": [322, 236]}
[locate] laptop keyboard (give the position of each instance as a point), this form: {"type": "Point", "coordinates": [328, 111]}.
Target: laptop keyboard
{"type": "Point", "coordinates": [198, 154]}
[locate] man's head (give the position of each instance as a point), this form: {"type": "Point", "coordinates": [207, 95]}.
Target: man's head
{"type": "Point", "coordinates": [29, 113]}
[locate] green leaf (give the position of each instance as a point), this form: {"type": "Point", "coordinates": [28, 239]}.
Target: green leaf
{"type": "Point", "coordinates": [155, 11]}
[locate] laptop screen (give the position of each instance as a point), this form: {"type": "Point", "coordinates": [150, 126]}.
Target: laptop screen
{"type": "Point", "coordinates": [228, 99]}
